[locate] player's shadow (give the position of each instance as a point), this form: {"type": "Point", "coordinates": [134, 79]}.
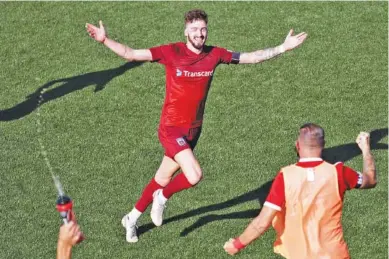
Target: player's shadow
{"type": "Point", "coordinates": [349, 151]}
{"type": "Point", "coordinates": [342, 153]}
{"type": "Point", "coordinates": [66, 85]}
{"type": "Point", "coordinates": [257, 194]}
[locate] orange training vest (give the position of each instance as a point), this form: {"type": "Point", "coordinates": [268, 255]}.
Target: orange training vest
{"type": "Point", "coordinates": [309, 227]}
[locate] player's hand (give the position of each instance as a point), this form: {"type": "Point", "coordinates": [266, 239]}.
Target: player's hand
{"type": "Point", "coordinates": [293, 41]}
{"type": "Point", "coordinates": [97, 33]}
{"type": "Point", "coordinates": [230, 248]}
{"type": "Point", "coordinates": [363, 141]}
{"type": "Point", "coordinates": [69, 234]}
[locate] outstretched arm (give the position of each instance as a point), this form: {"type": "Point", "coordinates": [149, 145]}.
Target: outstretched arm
{"type": "Point", "coordinates": [291, 42]}
{"type": "Point", "coordinates": [99, 34]}
{"type": "Point", "coordinates": [253, 231]}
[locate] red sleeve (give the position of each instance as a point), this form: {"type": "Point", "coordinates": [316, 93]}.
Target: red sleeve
{"type": "Point", "coordinates": [276, 197]}
{"type": "Point", "coordinates": [225, 56]}
{"type": "Point", "coordinates": [352, 178]}
{"type": "Point", "coordinates": [160, 53]}
{"type": "Point", "coordinates": [347, 178]}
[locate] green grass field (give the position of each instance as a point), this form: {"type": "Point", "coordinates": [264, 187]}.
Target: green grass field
{"type": "Point", "coordinates": [104, 144]}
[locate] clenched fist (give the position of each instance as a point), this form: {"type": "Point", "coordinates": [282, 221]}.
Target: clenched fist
{"type": "Point", "coordinates": [363, 141]}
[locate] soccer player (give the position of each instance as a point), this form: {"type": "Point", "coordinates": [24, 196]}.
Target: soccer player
{"type": "Point", "coordinates": [189, 69]}
{"type": "Point", "coordinates": [305, 201]}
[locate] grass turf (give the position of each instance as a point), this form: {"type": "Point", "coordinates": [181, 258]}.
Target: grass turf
{"type": "Point", "coordinates": [104, 145]}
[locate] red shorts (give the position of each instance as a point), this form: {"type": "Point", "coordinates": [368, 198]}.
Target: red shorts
{"type": "Point", "coordinates": [175, 139]}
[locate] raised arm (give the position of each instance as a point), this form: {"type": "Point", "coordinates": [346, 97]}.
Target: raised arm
{"type": "Point", "coordinates": [369, 178]}
{"type": "Point", "coordinates": [99, 34]}
{"type": "Point", "coordinates": [291, 42]}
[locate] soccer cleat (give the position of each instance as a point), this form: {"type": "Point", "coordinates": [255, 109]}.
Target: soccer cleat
{"type": "Point", "coordinates": [157, 209]}
{"type": "Point", "coordinates": [130, 227]}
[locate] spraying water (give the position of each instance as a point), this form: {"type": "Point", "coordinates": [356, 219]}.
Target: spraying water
{"type": "Point", "coordinates": [64, 203]}
{"type": "Point", "coordinates": [43, 151]}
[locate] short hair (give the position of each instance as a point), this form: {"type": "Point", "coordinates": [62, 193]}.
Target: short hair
{"type": "Point", "coordinates": [312, 135]}
{"type": "Point", "coordinates": [196, 14]}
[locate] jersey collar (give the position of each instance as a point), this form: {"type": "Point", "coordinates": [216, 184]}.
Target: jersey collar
{"type": "Point", "coordinates": [310, 159]}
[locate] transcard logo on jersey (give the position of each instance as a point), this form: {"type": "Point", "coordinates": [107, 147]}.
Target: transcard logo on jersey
{"type": "Point", "coordinates": [186, 73]}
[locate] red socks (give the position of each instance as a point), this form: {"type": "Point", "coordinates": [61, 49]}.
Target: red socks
{"type": "Point", "coordinates": [179, 183]}
{"type": "Point", "coordinates": [147, 195]}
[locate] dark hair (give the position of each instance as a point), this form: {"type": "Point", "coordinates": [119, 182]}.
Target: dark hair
{"type": "Point", "coordinates": [196, 14]}
{"type": "Point", "coordinates": [313, 134]}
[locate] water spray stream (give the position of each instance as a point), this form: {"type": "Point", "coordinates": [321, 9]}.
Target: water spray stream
{"type": "Point", "coordinates": [43, 151]}
{"type": "Point", "coordinates": [64, 204]}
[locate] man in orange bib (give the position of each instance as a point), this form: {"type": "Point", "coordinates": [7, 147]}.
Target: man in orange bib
{"type": "Point", "coordinates": [305, 201]}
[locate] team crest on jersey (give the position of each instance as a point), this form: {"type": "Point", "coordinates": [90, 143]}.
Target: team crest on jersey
{"type": "Point", "coordinates": [178, 72]}
{"type": "Point", "coordinates": [181, 141]}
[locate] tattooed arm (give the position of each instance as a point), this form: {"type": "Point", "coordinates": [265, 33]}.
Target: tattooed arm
{"type": "Point", "coordinates": [254, 230]}
{"type": "Point", "coordinates": [291, 42]}
{"type": "Point", "coordinates": [260, 55]}
{"type": "Point", "coordinates": [369, 179]}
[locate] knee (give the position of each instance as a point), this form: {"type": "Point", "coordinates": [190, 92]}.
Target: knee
{"type": "Point", "coordinates": [162, 179]}
{"type": "Point", "coordinates": [194, 177]}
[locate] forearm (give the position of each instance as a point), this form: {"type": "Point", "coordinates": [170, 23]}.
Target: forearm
{"type": "Point", "coordinates": [64, 251]}
{"type": "Point", "coordinates": [261, 55]}
{"type": "Point", "coordinates": [369, 168]}
{"type": "Point", "coordinates": [120, 49]}
{"type": "Point", "coordinates": [253, 231]}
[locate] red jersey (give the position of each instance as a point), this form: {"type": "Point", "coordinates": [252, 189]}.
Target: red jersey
{"type": "Point", "coordinates": [347, 179]}
{"type": "Point", "coordinates": [188, 78]}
